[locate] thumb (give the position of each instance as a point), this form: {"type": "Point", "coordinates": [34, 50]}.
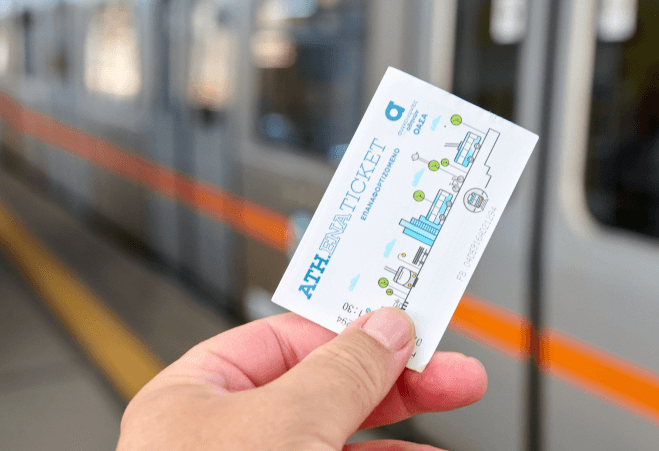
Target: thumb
{"type": "Point", "coordinates": [339, 384]}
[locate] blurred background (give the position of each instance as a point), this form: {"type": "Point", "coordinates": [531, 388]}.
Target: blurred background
{"type": "Point", "coordinates": [161, 159]}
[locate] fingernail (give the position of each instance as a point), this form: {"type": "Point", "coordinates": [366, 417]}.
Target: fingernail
{"type": "Point", "coordinates": [391, 327]}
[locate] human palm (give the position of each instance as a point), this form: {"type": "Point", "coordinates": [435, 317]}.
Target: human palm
{"type": "Point", "coordinates": [285, 383]}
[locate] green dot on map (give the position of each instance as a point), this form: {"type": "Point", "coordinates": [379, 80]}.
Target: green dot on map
{"type": "Point", "coordinates": [456, 119]}
{"type": "Point", "coordinates": [445, 162]}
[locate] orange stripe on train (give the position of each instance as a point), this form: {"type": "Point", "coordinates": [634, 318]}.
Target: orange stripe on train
{"type": "Point", "coordinates": [247, 217]}
{"type": "Point", "coordinates": [605, 375]}
{"type": "Point", "coordinates": [601, 373]}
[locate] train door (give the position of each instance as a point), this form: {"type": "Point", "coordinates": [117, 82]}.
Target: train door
{"type": "Point", "coordinates": [113, 101]}
{"type": "Point", "coordinates": [601, 198]}
{"type": "Point", "coordinates": [161, 130]}
{"type": "Point", "coordinates": [70, 175]}
{"type": "Point", "coordinates": [204, 68]}
{"type": "Point", "coordinates": [492, 53]}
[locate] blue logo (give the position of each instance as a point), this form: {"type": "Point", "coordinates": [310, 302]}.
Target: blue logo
{"type": "Point", "coordinates": [398, 111]}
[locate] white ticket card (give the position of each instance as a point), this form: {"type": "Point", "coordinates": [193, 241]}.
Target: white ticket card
{"type": "Point", "coordinates": [408, 212]}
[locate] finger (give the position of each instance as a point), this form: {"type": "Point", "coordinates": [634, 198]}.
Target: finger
{"type": "Point", "coordinates": [339, 384]}
{"type": "Point", "coordinates": [261, 351]}
{"type": "Point", "coordinates": [449, 381]}
{"type": "Point", "coordinates": [248, 356]}
{"type": "Point", "coordinates": [388, 445]}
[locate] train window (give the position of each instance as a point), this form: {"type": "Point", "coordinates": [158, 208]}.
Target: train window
{"type": "Point", "coordinates": [112, 59]}
{"type": "Point", "coordinates": [622, 171]}
{"type": "Point", "coordinates": [214, 56]}
{"type": "Point", "coordinates": [488, 34]}
{"type": "Point", "coordinates": [309, 56]}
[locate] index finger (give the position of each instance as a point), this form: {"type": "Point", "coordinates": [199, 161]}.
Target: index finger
{"type": "Point", "coordinates": [253, 354]}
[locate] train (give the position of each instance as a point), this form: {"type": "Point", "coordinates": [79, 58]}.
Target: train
{"type": "Point", "coordinates": [206, 132]}
{"type": "Point", "coordinates": [468, 149]}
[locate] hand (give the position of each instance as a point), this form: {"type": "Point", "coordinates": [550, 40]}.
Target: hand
{"type": "Point", "coordinates": [285, 383]}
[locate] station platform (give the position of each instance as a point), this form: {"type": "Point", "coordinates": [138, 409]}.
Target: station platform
{"type": "Point", "coordinates": [52, 395]}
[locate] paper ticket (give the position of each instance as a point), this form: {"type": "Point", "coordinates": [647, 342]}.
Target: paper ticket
{"type": "Point", "coordinates": [408, 213]}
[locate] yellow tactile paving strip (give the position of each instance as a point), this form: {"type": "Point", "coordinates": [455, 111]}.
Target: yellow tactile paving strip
{"type": "Point", "coordinates": [126, 362]}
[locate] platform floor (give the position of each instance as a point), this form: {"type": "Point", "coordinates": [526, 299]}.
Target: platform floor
{"type": "Point", "coordinates": [51, 396]}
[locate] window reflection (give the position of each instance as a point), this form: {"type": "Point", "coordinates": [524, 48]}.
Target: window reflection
{"type": "Point", "coordinates": [112, 62]}
{"type": "Point", "coordinates": [273, 49]}
{"type": "Point", "coordinates": [4, 48]}
{"type": "Point", "coordinates": [214, 56]}
{"type": "Point", "coordinates": [308, 55]}
{"type": "Point", "coordinates": [508, 20]}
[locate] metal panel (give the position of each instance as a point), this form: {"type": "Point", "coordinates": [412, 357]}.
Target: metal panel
{"type": "Point", "coordinates": [601, 285]}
